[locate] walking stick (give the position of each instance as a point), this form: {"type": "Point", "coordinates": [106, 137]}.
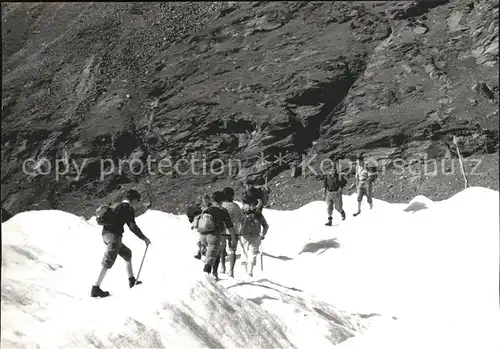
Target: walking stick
{"type": "Point", "coordinates": [140, 268]}
{"type": "Point", "coordinates": [455, 141]}
{"type": "Point", "coordinates": [261, 259]}
{"type": "Point", "coordinates": [243, 250]}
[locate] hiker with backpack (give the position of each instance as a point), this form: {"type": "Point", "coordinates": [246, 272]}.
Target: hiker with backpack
{"type": "Point", "coordinates": [251, 234]}
{"type": "Point", "coordinates": [364, 182]}
{"type": "Point", "coordinates": [261, 185]}
{"type": "Point", "coordinates": [252, 195]}
{"type": "Point", "coordinates": [334, 183]}
{"type": "Point", "coordinates": [193, 212]}
{"type": "Point", "coordinates": [113, 218]}
{"type": "Point", "coordinates": [211, 224]}
{"type": "Point", "coordinates": [236, 215]}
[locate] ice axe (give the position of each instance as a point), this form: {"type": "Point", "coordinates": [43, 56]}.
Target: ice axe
{"type": "Point", "coordinates": [140, 268]}
{"type": "Point", "coordinates": [261, 259]}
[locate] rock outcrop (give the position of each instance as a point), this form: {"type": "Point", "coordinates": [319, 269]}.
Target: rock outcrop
{"type": "Point", "coordinates": [176, 98]}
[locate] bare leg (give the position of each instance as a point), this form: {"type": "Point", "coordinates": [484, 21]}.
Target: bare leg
{"type": "Point", "coordinates": [370, 197]}
{"type": "Point", "coordinates": [251, 264]}
{"type": "Point", "coordinates": [131, 278]}
{"type": "Point", "coordinates": [101, 276]}
{"type": "Point", "coordinates": [223, 260]}
{"type": "Point", "coordinates": [359, 209]}
{"type": "Point", "coordinates": [329, 210]}
{"type": "Point", "coordinates": [232, 261]}
{"type": "Point", "coordinates": [216, 267]}
{"type": "Point", "coordinates": [130, 271]}
{"type": "Point", "coordinates": [96, 289]}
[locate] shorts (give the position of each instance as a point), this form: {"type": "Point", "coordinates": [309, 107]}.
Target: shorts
{"type": "Point", "coordinates": [334, 201]}
{"type": "Point", "coordinates": [213, 245]}
{"type": "Point", "coordinates": [114, 247]}
{"type": "Point", "coordinates": [365, 189]}
{"type": "Point", "coordinates": [251, 245]}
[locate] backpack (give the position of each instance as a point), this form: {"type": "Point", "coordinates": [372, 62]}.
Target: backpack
{"type": "Point", "coordinates": [335, 182]}
{"type": "Point", "coordinates": [105, 215]}
{"type": "Point", "coordinates": [192, 212]}
{"type": "Point", "coordinates": [205, 222]}
{"type": "Point", "coordinates": [250, 224]}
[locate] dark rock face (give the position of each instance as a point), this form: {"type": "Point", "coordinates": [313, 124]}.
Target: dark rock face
{"type": "Point", "coordinates": [418, 101]}
{"type": "Point", "coordinates": [5, 215]}
{"type": "Point", "coordinates": [112, 90]}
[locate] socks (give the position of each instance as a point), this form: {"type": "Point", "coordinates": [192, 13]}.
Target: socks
{"type": "Point", "coordinates": [216, 265]}
{"type": "Point", "coordinates": [223, 261]}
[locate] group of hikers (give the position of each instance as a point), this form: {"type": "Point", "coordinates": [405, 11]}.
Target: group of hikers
{"type": "Point", "coordinates": [221, 223]}
{"type": "Point", "coordinates": [335, 182]}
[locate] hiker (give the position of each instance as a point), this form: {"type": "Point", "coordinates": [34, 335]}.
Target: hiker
{"type": "Point", "coordinates": [334, 183]}
{"type": "Point", "coordinates": [363, 182]}
{"type": "Point", "coordinates": [252, 195]}
{"type": "Point", "coordinates": [211, 224]}
{"type": "Point", "coordinates": [251, 235]}
{"type": "Point", "coordinates": [261, 185]}
{"type": "Point", "coordinates": [206, 202]}
{"type": "Point", "coordinates": [195, 211]}
{"type": "Point", "coordinates": [113, 218]}
{"type": "Point", "coordinates": [236, 215]}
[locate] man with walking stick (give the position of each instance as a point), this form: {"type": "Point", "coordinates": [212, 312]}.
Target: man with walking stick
{"type": "Point", "coordinates": [113, 218]}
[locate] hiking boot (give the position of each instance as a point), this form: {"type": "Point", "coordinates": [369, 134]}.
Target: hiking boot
{"type": "Point", "coordinates": [329, 223]}
{"type": "Point", "coordinates": [355, 214]}
{"type": "Point", "coordinates": [207, 268]}
{"type": "Point", "coordinates": [343, 215]}
{"type": "Point", "coordinates": [97, 292]}
{"type": "Point", "coordinates": [132, 282]}
{"type": "Point", "coordinates": [198, 255]}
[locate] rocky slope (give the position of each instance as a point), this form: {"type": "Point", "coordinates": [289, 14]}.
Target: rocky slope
{"type": "Point", "coordinates": [248, 88]}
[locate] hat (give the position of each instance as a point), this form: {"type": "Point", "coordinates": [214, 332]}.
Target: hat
{"type": "Point", "coordinates": [133, 194]}
{"type": "Point", "coordinates": [228, 193]}
{"type": "Point", "coordinates": [218, 196]}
